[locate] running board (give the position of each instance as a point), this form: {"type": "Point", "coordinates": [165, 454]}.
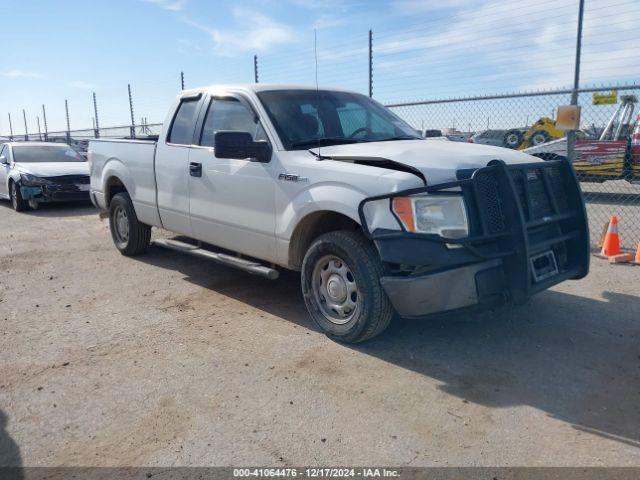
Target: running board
{"type": "Point", "coordinates": [248, 266]}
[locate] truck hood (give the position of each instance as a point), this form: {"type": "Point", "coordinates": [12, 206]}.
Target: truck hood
{"type": "Point", "coordinates": [437, 161]}
{"type": "Point", "coordinates": [53, 169]}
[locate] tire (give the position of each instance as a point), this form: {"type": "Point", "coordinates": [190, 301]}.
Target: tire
{"type": "Point", "coordinates": [341, 287]}
{"type": "Point", "coordinates": [19, 204]}
{"type": "Point", "coordinates": [512, 139]}
{"type": "Point", "coordinates": [538, 138]}
{"type": "Point", "coordinates": [130, 236]}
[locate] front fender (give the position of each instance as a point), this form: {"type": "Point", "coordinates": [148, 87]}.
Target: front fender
{"type": "Point", "coordinates": [330, 196]}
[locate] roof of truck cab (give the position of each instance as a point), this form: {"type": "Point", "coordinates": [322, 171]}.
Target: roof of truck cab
{"type": "Point", "coordinates": [258, 87]}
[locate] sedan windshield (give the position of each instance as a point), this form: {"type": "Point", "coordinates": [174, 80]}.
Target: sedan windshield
{"type": "Point", "coordinates": [45, 153]}
{"type": "Point", "coordinates": [308, 118]}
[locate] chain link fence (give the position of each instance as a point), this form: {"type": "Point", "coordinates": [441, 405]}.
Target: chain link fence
{"type": "Point", "coordinates": [606, 160]}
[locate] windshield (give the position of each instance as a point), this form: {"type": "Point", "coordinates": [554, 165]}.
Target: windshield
{"type": "Point", "coordinates": [45, 153]}
{"type": "Point", "coordinates": [307, 118]}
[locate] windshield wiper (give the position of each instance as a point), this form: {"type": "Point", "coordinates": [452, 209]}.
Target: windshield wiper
{"type": "Point", "coordinates": [325, 141]}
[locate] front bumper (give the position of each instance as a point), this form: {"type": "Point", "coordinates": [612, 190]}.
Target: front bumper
{"type": "Point", "coordinates": [516, 213]}
{"type": "Point", "coordinates": [56, 193]}
{"type": "Point", "coordinates": [63, 188]}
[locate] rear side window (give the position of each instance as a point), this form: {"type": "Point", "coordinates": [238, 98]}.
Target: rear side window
{"type": "Point", "coordinates": [184, 123]}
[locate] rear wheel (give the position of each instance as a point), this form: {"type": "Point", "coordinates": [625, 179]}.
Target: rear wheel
{"type": "Point", "coordinates": [341, 286]}
{"type": "Point", "coordinates": [19, 204]}
{"type": "Point", "coordinates": [130, 236]}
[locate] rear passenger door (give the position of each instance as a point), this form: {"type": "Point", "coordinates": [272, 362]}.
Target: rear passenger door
{"type": "Point", "coordinates": [172, 167]}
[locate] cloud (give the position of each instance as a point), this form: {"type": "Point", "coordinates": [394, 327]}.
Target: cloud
{"type": "Point", "coordinates": [328, 21]}
{"type": "Point", "coordinates": [19, 74]}
{"type": "Point", "coordinates": [171, 5]}
{"type": "Point", "coordinates": [82, 85]}
{"type": "Point", "coordinates": [411, 7]}
{"type": "Point", "coordinates": [254, 32]}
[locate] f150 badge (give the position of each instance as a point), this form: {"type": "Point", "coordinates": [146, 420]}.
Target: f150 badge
{"type": "Point", "coordinates": [289, 177]}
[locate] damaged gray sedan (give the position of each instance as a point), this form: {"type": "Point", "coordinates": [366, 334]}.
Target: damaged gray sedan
{"type": "Point", "coordinates": [38, 172]}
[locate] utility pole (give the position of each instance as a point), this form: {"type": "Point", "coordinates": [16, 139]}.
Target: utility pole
{"type": "Point", "coordinates": [39, 131]}
{"type": "Point", "coordinates": [96, 127]}
{"type": "Point", "coordinates": [44, 119]}
{"type": "Point", "coordinates": [571, 134]}
{"type": "Point", "coordinates": [370, 63]}
{"type": "Point", "coordinates": [10, 128]}
{"type": "Point", "coordinates": [255, 68]}
{"type": "Point", "coordinates": [26, 130]}
{"type": "Point", "coordinates": [66, 111]}
{"type": "Point", "coordinates": [182, 80]}
{"type": "Point", "coordinates": [133, 122]}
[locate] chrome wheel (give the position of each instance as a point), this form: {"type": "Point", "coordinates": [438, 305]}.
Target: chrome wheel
{"type": "Point", "coordinates": [121, 225]}
{"type": "Point", "coordinates": [335, 289]}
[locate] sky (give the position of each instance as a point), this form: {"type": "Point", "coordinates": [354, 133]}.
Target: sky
{"type": "Point", "coordinates": [68, 49]}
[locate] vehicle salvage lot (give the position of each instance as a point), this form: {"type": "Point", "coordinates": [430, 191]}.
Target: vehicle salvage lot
{"type": "Point", "coordinates": [168, 360]}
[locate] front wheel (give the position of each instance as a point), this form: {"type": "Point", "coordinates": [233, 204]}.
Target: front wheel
{"type": "Point", "coordinates": [130, 236]}
{"type": "Point", "coordinates": [341, 287]}
{"type": "Point", "coordinates": [19, 204]}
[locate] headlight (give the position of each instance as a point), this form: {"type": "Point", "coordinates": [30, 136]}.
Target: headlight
{"type": "Point", "coordinates": [33, 181]}
{"type": "Point", "coordinates": [443, 215]}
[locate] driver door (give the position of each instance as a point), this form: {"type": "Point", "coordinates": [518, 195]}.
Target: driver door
{"type": "Point", "coordinates": [232, 202]}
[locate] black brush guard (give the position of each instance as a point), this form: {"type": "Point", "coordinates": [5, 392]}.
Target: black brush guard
{"type": "Point", "coordinates": [515, 213]}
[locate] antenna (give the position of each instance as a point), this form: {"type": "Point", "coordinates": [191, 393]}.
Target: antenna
{"type": "Point", "coordinates": [315, 54]}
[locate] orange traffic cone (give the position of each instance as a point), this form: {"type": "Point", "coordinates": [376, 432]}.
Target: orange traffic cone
{"type": "Point", "coordinates": [611, 244]}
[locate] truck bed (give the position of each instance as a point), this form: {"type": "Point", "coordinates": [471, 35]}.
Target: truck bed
{"type": "Point", "coordinates": [127, 159]}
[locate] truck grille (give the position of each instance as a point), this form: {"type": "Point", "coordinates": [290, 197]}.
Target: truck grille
{"type": "Point", "coordinates": [536, 211]}
{"type": "Point", "coordinates": [540, 192]}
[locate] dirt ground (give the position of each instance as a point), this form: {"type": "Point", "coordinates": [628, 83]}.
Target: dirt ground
{"type": "Point", "coordinates": [168, 360]}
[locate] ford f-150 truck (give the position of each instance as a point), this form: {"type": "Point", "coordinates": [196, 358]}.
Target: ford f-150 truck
{"type": "Point", "coordinates": [334, 185]}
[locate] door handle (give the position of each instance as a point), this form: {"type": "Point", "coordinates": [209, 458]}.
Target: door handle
{"type": "Point", "coordinates": [195, 169]}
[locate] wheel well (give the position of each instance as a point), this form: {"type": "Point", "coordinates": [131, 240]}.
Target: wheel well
{"type": "Point", "coordinates": [114, 186]}
{"type": "Point", "coordinates": [311, 227]}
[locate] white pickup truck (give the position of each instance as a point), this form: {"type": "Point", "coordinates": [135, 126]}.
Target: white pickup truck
{"type": "Point", "coordinates": [330, 183]}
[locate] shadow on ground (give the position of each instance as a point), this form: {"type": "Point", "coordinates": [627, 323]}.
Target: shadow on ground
{"type": "Point", "coordinates": [575, 358]}
{"type": "Point", "coordinates": [10, 458]}
{"type": "Point", "coordinates": [53, 210]}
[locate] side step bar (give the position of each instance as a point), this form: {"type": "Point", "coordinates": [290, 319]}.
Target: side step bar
{"type": "Point", "coordinates": [229, 260]}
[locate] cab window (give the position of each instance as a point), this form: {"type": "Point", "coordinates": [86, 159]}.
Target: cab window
{"type": "Point", "coordinates": [231, 115]}
{"type": "Point", "coordinates": [184, 123]}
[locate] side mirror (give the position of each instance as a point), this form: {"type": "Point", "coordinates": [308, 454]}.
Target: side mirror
{"type": "Point", "coordinates": [4, 160]}
{"type": "Point", "coordinates": [241, 146]}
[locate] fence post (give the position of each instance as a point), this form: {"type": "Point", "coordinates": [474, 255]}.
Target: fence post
{"type": "Point", "coordinates": [96, 127]}
{"type": "Point", "coordinates": [66, 111]}
{"type": "Point", "coordinates": [39, 131]}
{"type": "Point", "coordinates": [571, 134]}
{"type": "Point", "coordinates": [44, 118]}
{"type": "Point", "coordinates": [133, 122]}
{"type": "Point", "coordinates": [10, 128]}
{"type": "Point", "coordinates": [255, 68]}
{"type": "Point", "coordinates": [26, 130]}
{"type": "Point", "coordinates": [182, 80]}
{"type": "Point", "coordinates": [370, 63]}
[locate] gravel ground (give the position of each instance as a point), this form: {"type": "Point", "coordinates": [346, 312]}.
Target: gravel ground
{"type": "Point", "coordinates": [169, 360]}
